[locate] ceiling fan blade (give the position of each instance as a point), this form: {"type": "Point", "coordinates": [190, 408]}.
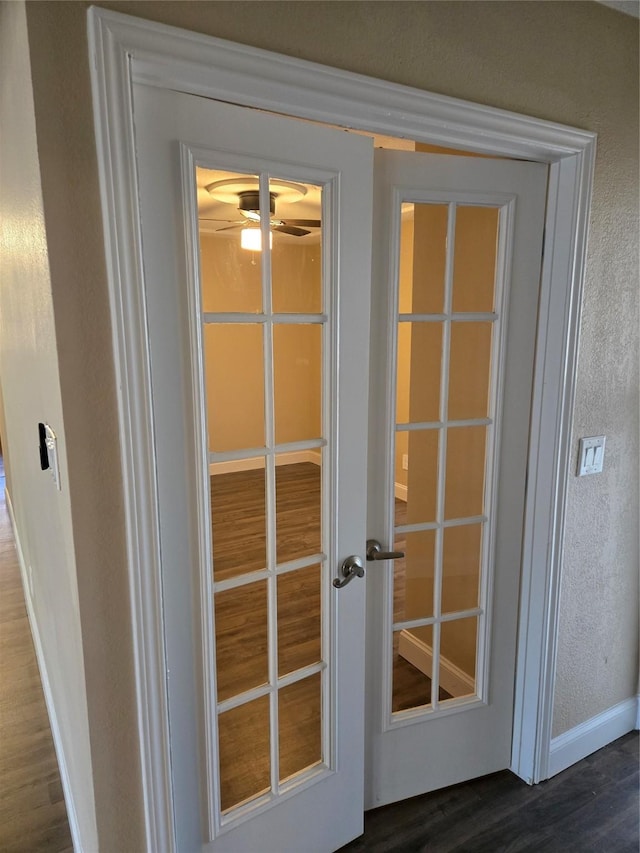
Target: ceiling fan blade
{"type": "Point", "coordinates": [228, 228]}
{"type": "Point", "coordinates": [289, 229]}
{"type": "Point", "coordinates": [306, 223]}
{"type": "Point", "coordinates": [217, 219]}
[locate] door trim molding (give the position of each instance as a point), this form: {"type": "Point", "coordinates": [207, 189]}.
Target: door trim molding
{"type": "Point", "coordinates": [124, 50]}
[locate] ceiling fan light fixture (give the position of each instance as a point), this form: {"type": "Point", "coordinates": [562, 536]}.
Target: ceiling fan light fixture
{"type": "Point", "coordinates": [249, 203]}
{"type": "Point", "coordinates": [229, 189]}
{"type": "Point", "coordinates": [251, 239]}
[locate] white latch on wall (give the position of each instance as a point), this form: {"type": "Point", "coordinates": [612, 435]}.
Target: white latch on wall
{"type": "Point", "coordinates": [52, 452]}
{"type": "Point", "coordinates": [591, 455]}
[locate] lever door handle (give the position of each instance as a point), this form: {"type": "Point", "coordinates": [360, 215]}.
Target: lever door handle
{"type": "Point", "coordinates": [351, 568]}
{"type": "Point", "coordinates": [375, 552]}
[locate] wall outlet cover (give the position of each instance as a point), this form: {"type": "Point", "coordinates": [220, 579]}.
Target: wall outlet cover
{"type": "Point", "coordinates": [591, 455]}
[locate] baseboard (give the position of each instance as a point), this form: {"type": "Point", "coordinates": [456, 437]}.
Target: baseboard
{"type": "Point", "coordinates": [256, 462]}
{"type": "Point", "coordinates": [637, 712]}
{"type": "Point", "coordinates": [46, 687]}
{"type": "Point", "coordinates": [452, 679]}
{"type": "Point", "coordinates": [593, 734]}
{"type": "Point", "coordinates": [401, 492]}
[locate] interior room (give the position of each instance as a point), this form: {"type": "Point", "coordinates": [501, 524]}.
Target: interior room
{"type": "Point", "coordinates": [555, 80]}
{"type": "Point", "coordinates": [241, 361]}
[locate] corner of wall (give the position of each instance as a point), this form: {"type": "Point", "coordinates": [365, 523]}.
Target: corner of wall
{"type": "Point", "coordinates": [40, 512]}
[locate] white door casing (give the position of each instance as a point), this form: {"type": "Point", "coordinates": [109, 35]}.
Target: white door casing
{"type": "Point", "coordinates": [416, 751]}
{"type": "Point", "coordinates": [125, 49]}
{"type": "Point", "coordinates": [174, 134]}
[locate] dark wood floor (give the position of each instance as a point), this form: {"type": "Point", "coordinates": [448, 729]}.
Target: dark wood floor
{"type": "Point", "coordinates": [591, 807]}
{"type": "Point", "coordinates": [33, 817]}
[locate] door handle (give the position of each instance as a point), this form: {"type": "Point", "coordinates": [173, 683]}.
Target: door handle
{"type": "Point", "coordinates": [351, 568]}
{"type": "Point", "coordinates": [375, 552]}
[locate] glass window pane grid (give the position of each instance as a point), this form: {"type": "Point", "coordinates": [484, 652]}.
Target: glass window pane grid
{"type": "Point", "coordinates": [263, 574]}
{"type": "Point", "coordinates": [262, 452]}
{"type": "Point", "coordinates": [456, 317]}
{"type": "Point", "coordinates": [264, 689]}
{"type": "Point", "coordinates": [300, 709]}
{"type": "Point", "coordinates": [431, 620]}
{"type": "Point", "coordinates": [440, 525]}
{"type": "Point", "coordinates": [446, 318]}
{"type": "Point", "coordinates": [209, 318]}
{"type": "Point", "coordinates": [268, 319]}
{"type": "Point", "coordinates": [237, 752]}
{"type": "Point", "coordinates": [443, 424]}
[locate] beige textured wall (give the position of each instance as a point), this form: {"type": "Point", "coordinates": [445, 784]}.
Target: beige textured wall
{"type": "Point", "coordinates": [31, 392]}
{"type": "Point", "coordinates": [574, 63]}
{"type": "Point", "coordinates": [66, 148]}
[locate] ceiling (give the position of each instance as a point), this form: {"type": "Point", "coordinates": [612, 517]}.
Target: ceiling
{"type": "Point", "coordinates": [216, 214]}
{"type": "Point", "coordinates": [629, 7]}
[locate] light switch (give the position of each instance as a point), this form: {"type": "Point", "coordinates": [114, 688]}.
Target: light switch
{"type": "Point", "coordinates": [51, 443]}
{"type": "Point", "coordinates": [591, 455]}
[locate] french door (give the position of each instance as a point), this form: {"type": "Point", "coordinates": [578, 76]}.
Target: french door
{"type": "Point", "coordinates": [257, 242]}
{"type": "Point", "coordinates": [259, 363]}
{"type": "Point", "coordinates": [453, 330]}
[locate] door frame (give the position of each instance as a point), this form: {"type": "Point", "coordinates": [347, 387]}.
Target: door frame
{"type": "Point", "coordinates": [124, 50]}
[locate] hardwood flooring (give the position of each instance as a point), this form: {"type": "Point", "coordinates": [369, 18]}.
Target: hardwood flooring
{"type": "Point", "coordinates": [238, 518]}
{"type": "Point", "coordinates": [33, 816]}
{"type": "Point", "coordinates": [242, 625]}
{"type": "Point", "coordinates": [591, 807]}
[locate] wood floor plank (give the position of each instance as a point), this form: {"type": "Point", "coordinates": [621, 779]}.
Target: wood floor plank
{"type": "Point", "coordinates": [591, 807]}
{"type": "Point", "coordinates": [33, 816]}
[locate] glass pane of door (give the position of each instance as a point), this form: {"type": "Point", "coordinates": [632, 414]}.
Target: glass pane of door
{"type": "Point", "coordinates": [263, 336]}
{"type": "Point", "coordinates": [445, 399]}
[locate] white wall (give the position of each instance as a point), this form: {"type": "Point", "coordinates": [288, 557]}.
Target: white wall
{"type": "Point", "coordinates": [31, 390]}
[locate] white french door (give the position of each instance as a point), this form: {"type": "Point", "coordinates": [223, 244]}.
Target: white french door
{"type": "Point", "coordinates": [455, 304]}
{"type": "Point", "coordinates": [260, 376]}
{"type": "Point", "coordinates": [259, 365]}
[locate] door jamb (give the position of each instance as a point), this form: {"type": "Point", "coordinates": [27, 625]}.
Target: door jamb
{"type": "Point", "coordinates": [124, 50]}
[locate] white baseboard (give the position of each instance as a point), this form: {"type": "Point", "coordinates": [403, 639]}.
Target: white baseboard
{"type": "Point", "coordinates": [452, 679]}
{"type": "Point", "coordinates": [401, 492]}
{"type": "Point", "coordinates": [256, 462]}
{"type": "Point", "coordinates": [46, 687]}
{"type": "Point", "coordinates": [593, 734]}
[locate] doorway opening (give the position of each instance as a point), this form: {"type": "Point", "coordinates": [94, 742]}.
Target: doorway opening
{"type": "Point", "coordinates": [216, 69]}
{"type": "Point", "coordinates": [258, 382]}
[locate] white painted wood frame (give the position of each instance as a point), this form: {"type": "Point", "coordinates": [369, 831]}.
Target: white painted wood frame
{"type": "Point", "coordinates": [124, 50]}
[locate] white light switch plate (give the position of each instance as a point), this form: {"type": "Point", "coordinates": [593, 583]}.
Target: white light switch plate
{"type": "Point", "coordinates": [591, 455]}
{"type": "Point", "coordinates": [52, 454]}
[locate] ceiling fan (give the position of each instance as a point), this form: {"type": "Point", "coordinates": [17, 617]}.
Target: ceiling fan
{"type": "Point", "coordinates": [249, 209]}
